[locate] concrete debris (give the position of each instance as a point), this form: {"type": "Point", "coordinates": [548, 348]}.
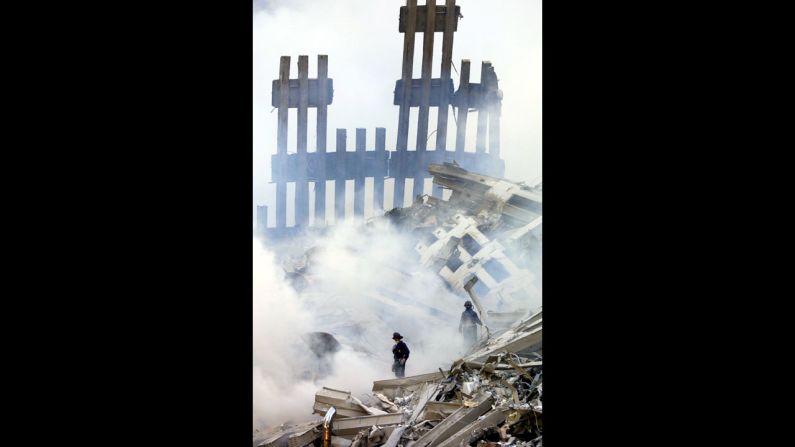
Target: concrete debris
{"type": "Point", "coordinates": [322, 408]}
{"type": "Point", "coordinates": [457, 421]}
{"type": "Point", "coordinates": [493, 403]}
{"type": "Point", "coordinates": [296, 435]}
{"type": "Point", "coordinates": [372, 437]}
{"type": "Point", "coordinates": [352, 426]}
{"type": "Point", "coordinates": [476, 431]}
{"type": "Point", "coordinates": [386, 404]}
{"type": "Point", "coordinates": [392, 388]}
{"type": "Point", "coordinates": [303, 438]}
{"type": "Point", "coordinates": [484, 242]}
{"type": "Point", "coordinates": [436, 411]}
{"type": "Point", "coordinates": [345, 404]}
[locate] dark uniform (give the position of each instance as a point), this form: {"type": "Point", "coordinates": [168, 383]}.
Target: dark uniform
{"type": "Point", "coordinates": [468, 325]}
{"type": "Point", "coordinates": [401, 353]}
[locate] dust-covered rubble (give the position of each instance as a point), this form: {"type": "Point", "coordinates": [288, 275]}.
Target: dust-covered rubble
{"type": "Point", "coordinates": [485, 243]}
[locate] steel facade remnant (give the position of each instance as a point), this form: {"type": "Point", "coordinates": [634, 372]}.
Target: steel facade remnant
{"type": "Point", "coordinates": [496, 387]}
{"type": "Point", "coordinates": [310, 171]}
{"type": "Point", "coordinates": [348, 426]}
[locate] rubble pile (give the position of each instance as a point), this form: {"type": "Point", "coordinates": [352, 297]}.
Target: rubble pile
{"type": "Point", "coordinates": [491, 397]}
{"type": "Point", "coordinates": [493, 403]}
{"type": "Point", "coordinates": [484, 242]}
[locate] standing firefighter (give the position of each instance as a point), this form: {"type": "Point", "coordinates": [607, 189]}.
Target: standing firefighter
{"type": "Point", "coordinates": [469, 320]}
{"type": "Point", "coordinates": [401, 353]}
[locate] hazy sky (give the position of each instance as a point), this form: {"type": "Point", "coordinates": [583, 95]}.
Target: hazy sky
{"type": "Point", "coordinates": [365, 49]}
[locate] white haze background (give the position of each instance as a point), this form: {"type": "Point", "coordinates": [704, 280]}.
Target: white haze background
{"type": "Point", "coordinates": [366, 287]}
{"type": "Point", "coordinates": [365, 50]}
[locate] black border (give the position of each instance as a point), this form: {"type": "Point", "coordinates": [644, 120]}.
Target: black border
{"type": "Point", "coordinates": [131, 199]}
{"type": "Point", "coordinates": [134, 180]}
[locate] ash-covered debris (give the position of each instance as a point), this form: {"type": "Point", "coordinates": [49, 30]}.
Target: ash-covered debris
{"type": "Point", "coordinates": [484, 242]}
{"type": "Point", "coordinates": [492, 396]}
{"type": "Point", "coordinates": [495, 402]}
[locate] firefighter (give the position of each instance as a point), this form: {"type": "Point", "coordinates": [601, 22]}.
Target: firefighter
{"type": "Point", "coordinates": [401, 353]}
{"type": "Point", "coordinates": [468, 325]}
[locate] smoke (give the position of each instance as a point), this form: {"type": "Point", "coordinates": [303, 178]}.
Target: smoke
{"type": "Point", "coordinates": [270, 6]}
{"type": "Point", "coordinates": [281, 359]}
{"type": "Point", "coordinates": [364, 284]}
{"type": "Point", "coordinates": [365, 51]}
{"type": "Point", "coordinates": [371, 279]}
{"type": "Point", "coordinates": [278, 319]}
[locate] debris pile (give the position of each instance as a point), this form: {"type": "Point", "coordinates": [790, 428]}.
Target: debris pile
{"type": "Point", "coordinates": [484, 242]}
{"type": "Point", "coordinates": [345, 404]}
{"type": "Point", "coordinates": [491, 397]}
{"type": "Point", "coordinates": [476, 404]}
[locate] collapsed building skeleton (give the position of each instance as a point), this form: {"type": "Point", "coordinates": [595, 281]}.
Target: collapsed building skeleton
{"type": "Point", "coordinates": [479, 242]}
{"type": "Point", "coordinates": [306, 170]}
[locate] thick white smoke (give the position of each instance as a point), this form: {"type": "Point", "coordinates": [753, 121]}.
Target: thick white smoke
{"type": "Point", "coordinates": [365, 285]}
{"type": "Point", "coordinates": [278, 319]}
{"type": "Point", "coordinates": [375, 277]}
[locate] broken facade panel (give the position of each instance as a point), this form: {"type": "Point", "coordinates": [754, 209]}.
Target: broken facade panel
{"type": "Point", "coordinates": [352, 426]}
{"type": "Point", "coordinates": [345, 404]}
{"type": "Point", "coordinates": [525, 336]}
{"type": "Point", "coordinates": [475, 255]}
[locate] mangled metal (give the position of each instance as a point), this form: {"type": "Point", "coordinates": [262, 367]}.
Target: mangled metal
{"type": "Point", "coordinates": [492, 402]}
{"type": "Point", "coordinates": [482, 242]}
{"type": "Point", "coordinates": [452, 424]}
{"type": "Point", "coordinates": [495, 401]}
{"type": "Point", "coordinates": [327, 424]}
{"type": "Point", "coordinates": [525, 336]}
